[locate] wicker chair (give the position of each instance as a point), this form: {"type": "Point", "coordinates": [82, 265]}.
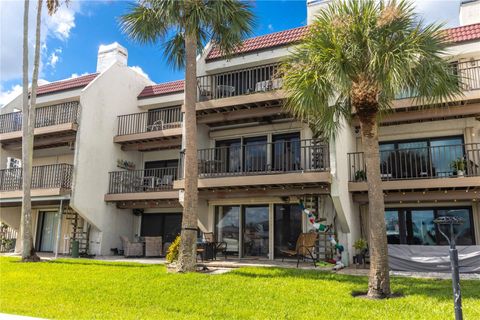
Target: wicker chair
{"type": "Point", "coordinates": [153, 246]}
{"type": "Point", "coordinates": [131, 249]}
{"type": "Point", "coordinates": [217, 246]}
{"type": "Point", "coordinates": [304, 248]}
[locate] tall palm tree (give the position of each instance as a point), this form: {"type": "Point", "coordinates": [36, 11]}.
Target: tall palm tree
{"type": "Point", "coordinates": [355, 58]}
{"type": "Point", "coordinates": [184, 27]}
{"type": "Point", "coordinates": [28, 125]}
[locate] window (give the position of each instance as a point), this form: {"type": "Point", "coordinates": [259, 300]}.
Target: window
{"type": "Point", "coordinates": [430, 157]}
{"type": "Point", "coordinates": [166, 225]}
{"type": "Point", "coordinates": [415, 226]}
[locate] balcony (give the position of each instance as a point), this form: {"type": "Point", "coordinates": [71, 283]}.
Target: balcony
{"type": "Point", "coordinates": [469, 72]}
{"type": "Point", "coordinates": [421, 168]}
{"type": "Point", "coordinates": [55, 126]}
{"type": "Point", "coordinates": [48, 180]}
{"type": "Point", "coordinates": [152, 130]}
{"type": "Point", "coordinates": [258, 87]}
{"type": "Point", "coordinates": [295, 163]}
{"type": "Point", "coordinates": [142, 185]}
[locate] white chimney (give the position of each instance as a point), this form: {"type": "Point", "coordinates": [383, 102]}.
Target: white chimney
{"type": "Point", "coordinates": [110, 54]}
{"type": "Point", "coordinates": [469, 12]}
{"type": "Point", "coordinates": [313, 7]}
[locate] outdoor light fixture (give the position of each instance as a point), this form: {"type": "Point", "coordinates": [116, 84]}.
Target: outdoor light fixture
{"type": "Point", "coordinates": [457, 294]}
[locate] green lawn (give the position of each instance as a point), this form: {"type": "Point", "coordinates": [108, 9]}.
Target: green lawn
{"type": "Point", "coordinates": [85, 289]}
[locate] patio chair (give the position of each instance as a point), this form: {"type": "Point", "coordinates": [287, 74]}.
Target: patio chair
{"type": "Point", "coordinates": [131, 249]}
{"type": "Point", "coordinates": [217, 246]}
{"type": "Point", "coordinates": [153, 246]}
{"type": "Point", "coordinates": [304, 248]}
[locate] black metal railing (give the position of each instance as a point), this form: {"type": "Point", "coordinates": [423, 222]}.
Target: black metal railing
{"type": "Point", "coordinates": [45, 116]}
{"type": "Point", "coordinates": [239, 82]}
{"type": "Point", "coordinates": [147, 180]}
{"type": "Point", "coordinates": [263, 158]}
{"type": "Point", "coordinates": [43, 177]}
{"type": "Point", "coordinates": [418, 163]}
{"type": "Point", "coordinates": [468, 71]}
{"type": "Point", "coordinates": [153, 120]}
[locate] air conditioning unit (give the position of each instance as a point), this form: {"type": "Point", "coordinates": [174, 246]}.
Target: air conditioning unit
{"type": "Point", "coordinates": [13, 163]}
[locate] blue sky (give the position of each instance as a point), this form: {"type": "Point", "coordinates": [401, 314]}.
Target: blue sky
{"type": "Point", "coordinates": [72, 36]}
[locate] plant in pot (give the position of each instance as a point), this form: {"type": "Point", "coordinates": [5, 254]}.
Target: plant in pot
{"type": "Point", "coordinates": [172, 254]}
{"type": "Point", "coordinates": [360, 175]}
{"type": "Point", "coordinates": [361, 248]}
{"type": "Point", "coordinates": [458, 166]}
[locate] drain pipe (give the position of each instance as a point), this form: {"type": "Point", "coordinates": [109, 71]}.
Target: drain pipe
{"type": "Point", "coordinates": [59, 228]}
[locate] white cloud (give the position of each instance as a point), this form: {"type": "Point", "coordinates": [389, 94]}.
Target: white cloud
{"type": "Point", "coordinates": [11, 34]}
{"type": "Point", "coordinates": [76, 75]}
{"type": "Point", "coordinates": [54, 57]}
{"type": "Point", "coordinates": [9, 95]}
{"type": "Point", "coordinates": [140, 71]}
{"type": "Point", "coordinates": [270, 27]}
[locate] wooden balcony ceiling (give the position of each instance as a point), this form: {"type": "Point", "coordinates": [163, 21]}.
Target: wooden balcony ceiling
{"type": "Point", "coordinates": [425, 196]}
{"type": "Point", "coordinates": [44, 137]}
{"type": "Point", "coordinates": [150, 141]}
{"type": "Point", "coordinates": [264, 191]}
{"type": "Point", "coordinates": [145, 200]}
{"type": "Point", "coordinates": [272, 98]}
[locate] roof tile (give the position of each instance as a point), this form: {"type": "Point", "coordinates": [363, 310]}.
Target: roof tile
{"type": "Point", "coordinates": [464, 33]}
{"type": "Point", "coordinates": [162, 88]}
{"type": "Point", "coordinates": [67, 84]}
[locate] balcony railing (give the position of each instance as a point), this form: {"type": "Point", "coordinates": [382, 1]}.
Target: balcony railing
{"type": "Point", "coordinates": [45, 116]}
{"type": "Point", "coordinates": [43, 177]}
{"type": "Point", "coordinates": [469, 73]}
{"type": "Point", "coordinates": [263, 158]}
{"type": "Point", "coordinates": [421, 163]}
{"type": "Point", "coordinates": [147, 180]}
{"type": "Point", "coordinates": [154, 120]}
{"type": "Point", "coordinates": [239, 82]}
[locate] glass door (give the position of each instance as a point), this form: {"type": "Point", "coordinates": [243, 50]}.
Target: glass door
{"type": "Point", "coordinates": [255, 231]}
{"type": "Point", "coordinates": [287, 227]}
{"type": "Point", "coordinates": [227, 227]}
{"type": "Point", "coordinates": [286, 152]}
{"type": "Point", "coordinates": [228, 157]}
{"type": "Point", "coordinates": [47, 229]}
{"type": "Point", "coordinates": [255, 154]}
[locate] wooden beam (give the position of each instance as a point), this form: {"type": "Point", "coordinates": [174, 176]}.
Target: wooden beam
{"type": "Point", "coordinates": [255, 192]}
{"type": "Point", "coordinates": [40, 142]}
{"type": "Point", "coordinates": [142, 196]}
{"type": "Point", "coordinates": [241, 100]}
{"type": "Point", "coordinates": [426, 196]}
{"type": "Point", "coordinates": [239, 114]}
{"type": "Point", "coordinates": [151, 135]}
{"type": "Point", "coordinates": [153, 145]}
{"type": "Point", "coordinates": [443, 183]}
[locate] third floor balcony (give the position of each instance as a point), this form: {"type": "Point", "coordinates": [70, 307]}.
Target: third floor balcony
{"type": "Point", "coordinates": [55, 125]}
{"type": "Point", "coordinates": [152, 130]}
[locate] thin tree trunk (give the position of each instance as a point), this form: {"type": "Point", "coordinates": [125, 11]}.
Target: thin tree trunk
{"type": "Point", "coordinates": [379, 279]}
{"type": "Point", "coordinates": [28, 124]}
{"type": "Point", "coordinates": [188, 245]}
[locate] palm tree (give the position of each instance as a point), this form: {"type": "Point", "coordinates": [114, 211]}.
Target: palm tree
{"type": "Point", "coordinates": [355, 58]}
{"type": "Point", "coordinates": [28, 125]}
{"type": "Point", "coordinates": [184, 27]}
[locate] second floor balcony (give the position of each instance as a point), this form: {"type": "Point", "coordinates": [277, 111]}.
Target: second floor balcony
{"type": "Point", "coordinates": [47, 180]}
{"type": "Point", "coordinates": [422, 167]}
{"type": "Point", "coordinates": [152, 130]}
{"type": "Point", "coordinates": [145, 184]}
{"type": "Point", "coordinates": [275, 163]}
{"type": "Point", "coordinates": [55, 125]}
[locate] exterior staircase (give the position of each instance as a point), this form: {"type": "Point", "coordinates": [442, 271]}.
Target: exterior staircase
{"type": "Point", "coordinates": [80, 230]}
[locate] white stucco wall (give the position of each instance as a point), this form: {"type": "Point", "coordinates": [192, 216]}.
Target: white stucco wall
{"type": "Point", "coordinates": [112, 93]}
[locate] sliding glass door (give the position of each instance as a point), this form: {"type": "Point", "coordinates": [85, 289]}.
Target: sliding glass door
{"type": "Point", "coordinates": [255, 231]}
{"type": "Point", "coordinates": [287, 227]}
{"type": "Point", "coordinates": [227, 227]}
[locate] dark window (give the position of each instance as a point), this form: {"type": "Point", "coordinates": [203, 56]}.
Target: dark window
{"type": "Point", "coordinates": [287, 227]}
{"type": "Point", "coordinates": [255, 154]}
{"type": "Point", "coordinates": [415, 226]}
{"type": "Point", "coordinates": [228, 155]}
{"type": "Point", "coordinates": [166, 225]}
{"type": "Point", "coordinates": [161, 164]}
{"type": "Point", "coordinates": [286, 152]}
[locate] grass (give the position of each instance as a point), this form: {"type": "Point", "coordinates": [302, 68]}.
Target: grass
{"type": "Point", "coordinates": [86, 289]}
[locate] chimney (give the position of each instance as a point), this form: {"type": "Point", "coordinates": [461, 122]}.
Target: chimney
{"type": "Point", "coordinates": [314, 6]}
{"type": "Point", "coordinates": [110, 54]}
{"type": "Point", "coordinates": [469, 12]}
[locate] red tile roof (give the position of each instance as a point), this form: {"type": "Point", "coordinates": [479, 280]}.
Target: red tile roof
{"type": "Point", "coordinates": [464, 33]}
{"type": "Point", "coordinates": [67, 84]}
{"type": "Point", "coordinates": [271, 40]}
{"type": "Point", "coordinates": [287, 37]}
{"type": "Point", "coordinates": [162, 88]}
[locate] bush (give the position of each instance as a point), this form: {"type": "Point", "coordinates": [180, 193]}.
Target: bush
{"type": "Point", "coordinates": [172, 253]}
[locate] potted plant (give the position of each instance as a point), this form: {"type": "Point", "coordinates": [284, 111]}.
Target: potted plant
{"type": "Point", "coordinates": [361, 248]}
{"type": "Point", "coordinates": [458, 166]}
{"type": "Point", "coordinates": [360, 175]}
{"type": "Point", "coordinates": [172, 255]}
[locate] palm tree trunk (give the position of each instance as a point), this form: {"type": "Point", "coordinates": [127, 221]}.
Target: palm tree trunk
{"type": "Point", "coordinates": [379, 279]}
{"type": "Point", "coordinates": [28, 251]}
{"type": "Point", "coordinates": [188, 244]}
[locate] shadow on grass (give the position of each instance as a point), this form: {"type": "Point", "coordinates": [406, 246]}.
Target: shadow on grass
{"type": "Point", "coordinates": [96, 263]}
{"type": "Point", "coordinates": [433, 288]}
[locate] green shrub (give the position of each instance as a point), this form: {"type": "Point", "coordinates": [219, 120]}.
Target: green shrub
{"type": "Point", "coordinates": [360, 244]}
{"type": "Point", "coordinates": [172, 253]}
